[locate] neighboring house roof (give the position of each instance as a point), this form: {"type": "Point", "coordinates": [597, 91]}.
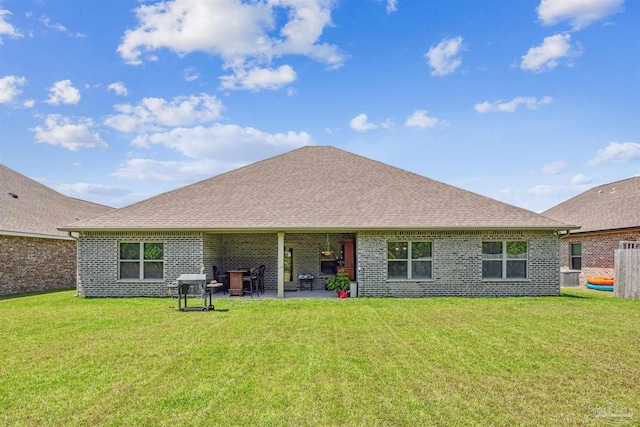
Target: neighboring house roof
{"type": "Point", "coordinates": [32, 209]}
{"type": "Point", "coordinates": [610, 206]}
{"type": "Point", "coordinates": [318, 188]}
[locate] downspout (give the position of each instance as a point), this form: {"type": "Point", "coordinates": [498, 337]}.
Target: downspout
{"type": "Point", "coordinates": [77, 261]}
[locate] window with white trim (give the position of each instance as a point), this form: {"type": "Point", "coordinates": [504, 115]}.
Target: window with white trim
{"type": "Point", "coordinates": [141, 261]}
{"type": "Point", "coordinates": [504, 260]}
{"type": "Point", "coordinates": [576, 256]}
{"type": "Point", "coordinates": [409, 260]}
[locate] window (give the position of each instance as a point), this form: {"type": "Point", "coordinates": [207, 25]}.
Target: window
{"type": "Point", "coordinates": [409, 260]}
{"type": "Point", "coordinates": [504, 260]}
{"type": "Point", "coordinates": [576, 256]}
{"type": "Point", "coordinates": [141, 260]}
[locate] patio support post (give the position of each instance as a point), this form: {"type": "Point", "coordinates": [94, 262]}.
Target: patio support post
{"type": "Point", "coordinates": [280, 265]}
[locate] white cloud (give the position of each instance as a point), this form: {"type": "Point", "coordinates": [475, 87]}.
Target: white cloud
{"type": "Point", "coordinates": [420, 119]}
{"type": "Point", "coordinates": [511, 106]}
{"type": "Point", "coordinates": [259, 78]}
{"type": "Point", "coordinates": [360, 123]}
{"type": "Point", "coordinates": [554, 168]}
{"type": "Point", "coordinates": [546, 56]}
{"type": "Point", "coordinates": [61, 131]}
{"type": "Point", "coordinates": [580, 179]}
{"type": "Point", "coordinates": [29, 103]}
{"type": "Point", "coordinates": [549, 191]}
{"type": "Point", "coordinates": [538, 197]}
{"type": "Point", "coordinates": [10, 88]}
{"type": "Point", "coordinates": [86, 191]}
{"type": "Point", "coordinates": [157, 114]}
{"type": "Point", "coordinates": [119, 88]}
{"type": "Point", "coordinates": [47, 23]}
{"type": "Point", "coordinates": [617, 152]}
{"type": "Point", "coordinates": [544, 190]}
{"type": "Point", "coordinates": [245, 34]}
{"type": "Point", "coordinates": [58, 27]}
{"type": "Point", "coordinates": [226, 143]}
{"type": "Point", "coordinates": [155, 170]}
{"type": "Point", "coordinates": [579, 13]}
{"type": "Point", "coordinates": [63, 92]}
{"type": "Point", "coordinates": [190, 74]}
{"type": "Point", "coordinates": [6, 29]}
{"type": "Point", "coordinates": [443, 58]}
{"type": "Point", "coordinates": [107, 195]}
{"type": "Point", "coordinates": [392, 6]}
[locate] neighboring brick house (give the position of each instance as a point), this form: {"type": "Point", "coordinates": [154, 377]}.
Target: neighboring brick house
{"type": "Point", "coordinates": [607, 214]}
{"type": "Point", "coordinates": [34, 255]}
{"type": "Point", "coordinates": [399, 234]}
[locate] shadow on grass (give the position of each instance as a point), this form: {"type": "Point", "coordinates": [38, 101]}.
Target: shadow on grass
{"type": "Point", "coordinates": [584, 294]}
{"type": "Point", "coordinates": [219, 310]}
{"type": "Point", "coordinates": [563, 295]}
{"type": "Point", "coordinates": [30, 294]}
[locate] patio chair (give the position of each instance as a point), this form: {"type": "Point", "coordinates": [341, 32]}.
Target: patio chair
{"type": "Point", "coordinates": [261, 279]}
{"type": "Point", "coordinates": [220, 278]}
{"type": "Point", "coordinates": [250, 281]}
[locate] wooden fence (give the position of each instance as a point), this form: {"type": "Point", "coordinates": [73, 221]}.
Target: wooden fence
{"type": "Point", "coordinates": [627, 273]}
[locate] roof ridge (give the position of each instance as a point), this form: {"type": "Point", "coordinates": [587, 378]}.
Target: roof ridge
{"type": "Point", "coordinates": [586, 192]}
{"type": "Point", "coordinates": [609, 206]}
{"type": "Point", "coordinates": [38, 209]}
{"type": "Point", "coordinates": [453, 187]}
{"type": "Point", "coordinates": [38, 183]}
{"type": "Point", "coordinates": [607, 184]}
{"type": "Point", "coordinates": [319, 187]}
{"type": "Point", "coordinates": [216, 176]}
{"type": "Point", "coordinates": [49, 189]}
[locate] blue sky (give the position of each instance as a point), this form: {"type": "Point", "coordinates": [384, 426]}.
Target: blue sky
{"type": "Point", "coordinates": [528, 102]}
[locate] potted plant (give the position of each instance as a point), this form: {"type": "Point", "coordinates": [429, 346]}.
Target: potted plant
{"type": "Point", "coordinates": [339, 283]}
{"type": "Point", "coordinates": [327, 252]}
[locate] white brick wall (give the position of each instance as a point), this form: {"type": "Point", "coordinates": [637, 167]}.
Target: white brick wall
{"type": "Point", "coordinates": [457, 265]}
{"type": "Point", "coordinates": [98, 262]}
{"type": "Point", "coordinates": [457, 261]}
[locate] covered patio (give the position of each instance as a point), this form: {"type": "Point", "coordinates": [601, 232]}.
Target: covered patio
{"type": "Point", "coordinates": [295, 263]}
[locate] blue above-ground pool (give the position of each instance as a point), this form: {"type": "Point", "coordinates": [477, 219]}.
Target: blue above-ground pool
{"type": "Point", "coordinates": [608, 288]}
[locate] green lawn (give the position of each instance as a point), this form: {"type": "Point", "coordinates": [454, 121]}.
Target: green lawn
{"type": "Point", "coordinates": [569, 360]}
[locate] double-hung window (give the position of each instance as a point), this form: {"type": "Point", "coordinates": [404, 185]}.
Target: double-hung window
{"type": "Point", "coordinates": [409, 260]}
{"type": "Point", "coordinates": [141, 260]}
{"type": "Point", "coordinates": [504, 260]}
{"type": "Point", "coordinates": [576, 256]}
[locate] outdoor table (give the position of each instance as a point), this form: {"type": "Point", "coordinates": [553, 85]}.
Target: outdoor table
{"type": "Point", "coordinates": [235, 282]}
{"type": "Point", "coordinates": [305, 280]}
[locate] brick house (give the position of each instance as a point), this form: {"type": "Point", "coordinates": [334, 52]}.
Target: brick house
{"type": "Point", "coordinates": [34, 255]}
{"type": "Point", "coordinates": [607, 214]}
{"type": "Point", "coordinates": [398, 234]}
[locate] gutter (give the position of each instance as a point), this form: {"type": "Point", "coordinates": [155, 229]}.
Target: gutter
{"type": "Point", "coordinates": [565, 228]}
{"type": "Point", "coordinates": [35, 235]}
{"type": "Point", "coordinates": [77, 261]}
{"type": "Point", "coordinates": [607, 231]}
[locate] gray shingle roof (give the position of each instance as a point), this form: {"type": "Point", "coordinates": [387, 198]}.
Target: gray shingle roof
{"type": "Point", "coordinates": [318, 188]}
{"type": "Point", "coordinates": [607, 207]}
{"type": "Point", "coordinates": [38, 210]}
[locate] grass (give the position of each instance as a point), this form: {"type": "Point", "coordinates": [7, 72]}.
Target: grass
{"type": "Point", "coordinates": [569, 360]}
